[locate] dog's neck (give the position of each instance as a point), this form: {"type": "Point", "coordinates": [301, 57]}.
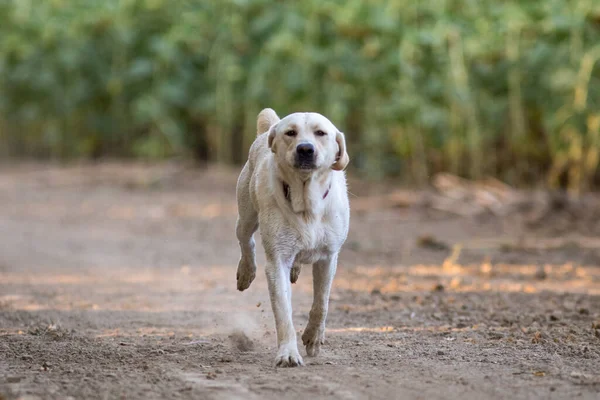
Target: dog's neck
{"type": "Point", "coordinates": [306, 194]}
{"type": "Point", "coordinates": [288, 194]}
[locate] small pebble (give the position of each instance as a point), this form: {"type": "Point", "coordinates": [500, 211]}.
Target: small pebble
{"type": "Point", "coordinates": [540, 274]}
{"type": "Point", "coordinates": [211, 375]}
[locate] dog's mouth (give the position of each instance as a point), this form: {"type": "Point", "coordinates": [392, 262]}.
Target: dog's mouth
{"type": "Point", "coordinates": [305, 166]}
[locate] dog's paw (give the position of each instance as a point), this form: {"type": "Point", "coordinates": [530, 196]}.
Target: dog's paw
{"type": "Point", "coordinates": [246, 273]}
{"type": "Point", "coordinates": [288, 356]}
{"type": "Point", "coordinates": [313, 338]}
{"type": "Point", "coordinates": [295, 272]}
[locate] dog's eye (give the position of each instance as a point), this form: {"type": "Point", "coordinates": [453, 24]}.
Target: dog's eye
{"type": "Point", "coordinates": [290, 133]}
{"type": "Point", "coordinates": [320, 133]}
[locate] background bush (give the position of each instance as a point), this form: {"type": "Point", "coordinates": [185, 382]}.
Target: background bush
{"type": "Point", "coordinates": [503, 88]}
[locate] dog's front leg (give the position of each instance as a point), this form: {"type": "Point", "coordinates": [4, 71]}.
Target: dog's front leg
{"type": "Point", "coordinates": [280, 291]}
{"type": "Point", "coordinates": [246, 225]}
{"type": "Point", "coordinates": [314, 334]}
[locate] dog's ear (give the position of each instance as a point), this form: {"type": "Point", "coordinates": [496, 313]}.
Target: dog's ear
{"type": "Point", "coordinates": [341, 159]}
{"type": "Point", "coordinates": [272, 132]}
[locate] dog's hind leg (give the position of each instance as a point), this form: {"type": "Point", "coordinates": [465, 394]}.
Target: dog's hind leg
{"type": "Point", "coordinates": [314, 334]}
{"type": "Point", "coordinates": [295, 271]}
{"type": "Point", "coordinates": [246, 225]}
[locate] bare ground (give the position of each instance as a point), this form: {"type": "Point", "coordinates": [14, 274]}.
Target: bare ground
{"type": "Point", "coordinates": [118, 281]}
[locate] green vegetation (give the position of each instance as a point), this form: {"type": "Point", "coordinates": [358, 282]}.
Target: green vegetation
{"type": "Point", "coordinates": [504, 88]}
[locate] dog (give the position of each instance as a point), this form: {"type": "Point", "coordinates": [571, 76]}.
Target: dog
{"type": "Point", "coordinates": [293, 187]}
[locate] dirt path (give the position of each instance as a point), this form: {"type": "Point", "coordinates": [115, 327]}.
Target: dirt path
{"type": "Point", "coordinates": [119, 282]}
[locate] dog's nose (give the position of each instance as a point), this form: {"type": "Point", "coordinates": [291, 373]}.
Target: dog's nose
{"type": "Point", "coordinates": [305, 149]}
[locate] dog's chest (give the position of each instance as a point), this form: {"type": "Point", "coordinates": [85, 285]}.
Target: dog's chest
{"type": "Point", "coordinates": [317, 239]}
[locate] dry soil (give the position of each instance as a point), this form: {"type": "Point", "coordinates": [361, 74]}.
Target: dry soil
{"type": "Point", "coordinates": [118, 281]}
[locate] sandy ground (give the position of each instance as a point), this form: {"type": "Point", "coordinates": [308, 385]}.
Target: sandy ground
{"type": "Point", "coordinates": [119, 282]}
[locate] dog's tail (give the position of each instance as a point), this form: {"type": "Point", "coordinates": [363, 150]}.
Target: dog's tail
{"type": "Point", "coordinates": [266, 119]}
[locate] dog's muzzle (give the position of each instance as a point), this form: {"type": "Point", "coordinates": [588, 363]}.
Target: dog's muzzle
{"type": "Point", "coordinates": [305, 156]}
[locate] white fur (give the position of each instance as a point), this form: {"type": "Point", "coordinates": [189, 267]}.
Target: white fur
{"type": "Point", "coordinates": [306, 229]}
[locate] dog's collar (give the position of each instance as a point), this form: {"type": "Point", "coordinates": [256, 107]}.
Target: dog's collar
{"type": "Point", "coordinates": [288, 193]}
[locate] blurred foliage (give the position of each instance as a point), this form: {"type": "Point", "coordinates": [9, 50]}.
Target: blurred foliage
{"type": "Point", "coordinates": [505, 88]}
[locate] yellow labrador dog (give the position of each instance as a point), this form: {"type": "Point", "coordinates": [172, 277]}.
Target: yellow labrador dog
{"type": "Point", "coordinates": [294, 187]}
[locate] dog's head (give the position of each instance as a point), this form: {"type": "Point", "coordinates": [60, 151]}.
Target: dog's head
{"type": "Point", "coordinates": [308, 142]}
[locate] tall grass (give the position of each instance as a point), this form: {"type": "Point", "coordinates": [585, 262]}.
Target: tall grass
{"type": "Point", "coordinates": [510, 88]}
